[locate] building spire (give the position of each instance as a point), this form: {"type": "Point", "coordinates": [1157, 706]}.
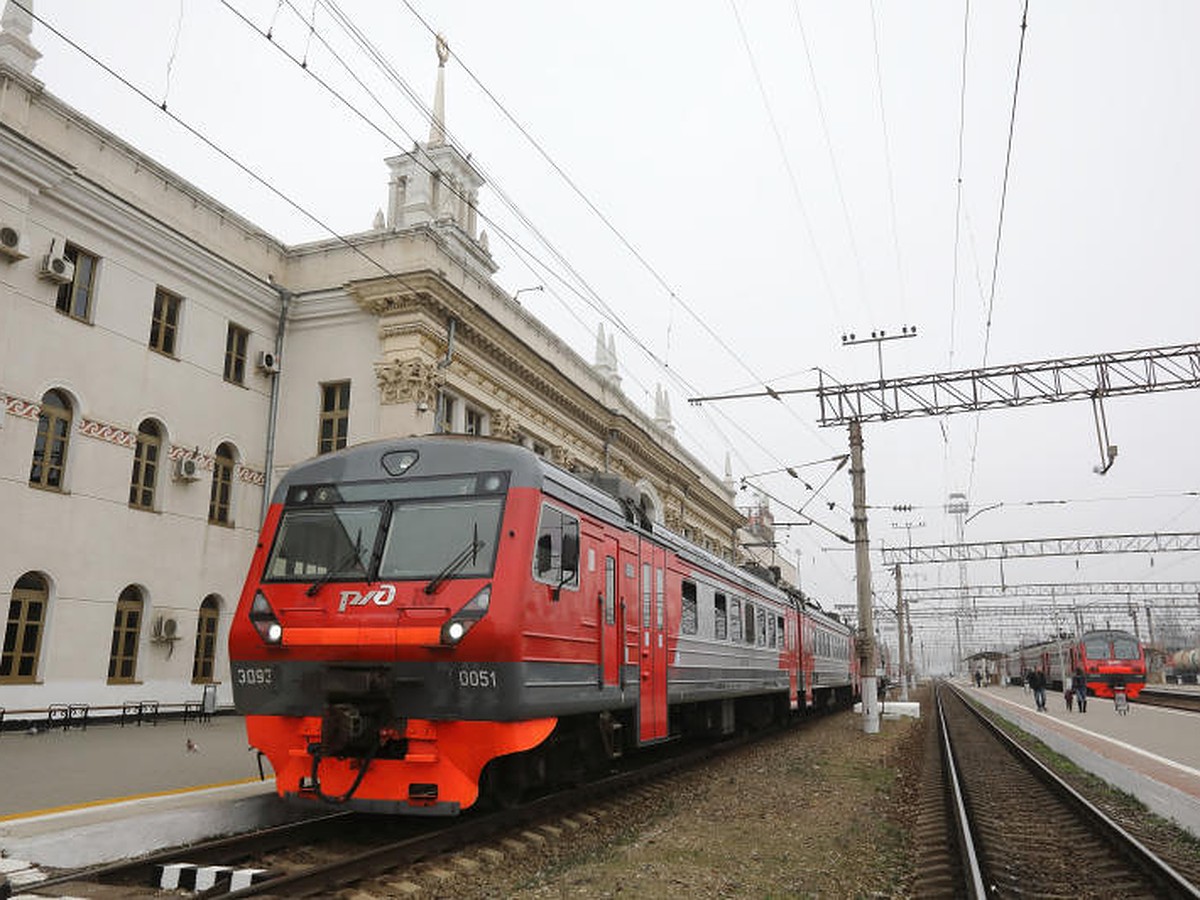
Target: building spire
{"type": "Point", "coordinates": [16, 26]}
{"type": "Point", "coordinates": [437, 128]}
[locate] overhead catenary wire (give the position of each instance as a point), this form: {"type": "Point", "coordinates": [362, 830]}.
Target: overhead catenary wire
{"type": "Point", "coordinates": [584, 291]}
{"type": "Point", "coordinates": [1012, 126]}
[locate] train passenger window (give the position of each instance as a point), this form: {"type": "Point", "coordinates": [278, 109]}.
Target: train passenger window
{"type": "Point", "coordinates": [556, 559]}
{"type": "Point", "coordinates": [748, 630]}
{"type": "Point", "coordinates": [735, 619]}
{"type": "Point", "coordinates": [781, 627]}
{"type": "Point", "coordinates": [659, 600]}
{"type": "Point", "coordinates": [760, 630]}
{"type": "Point", "coordinates": [687, 616]}
{"type": "Point", "coordinates": [610, 590]}
{"type": "Point", "coordinates": [647, 589]}
{"type": "Point", "coordinates": [720, 624]}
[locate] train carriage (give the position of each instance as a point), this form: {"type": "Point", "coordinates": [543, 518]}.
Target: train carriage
{"type": "Point", "coordinates": [425, 615]}
{"type": "Point", "coordinates": [1109, 658]}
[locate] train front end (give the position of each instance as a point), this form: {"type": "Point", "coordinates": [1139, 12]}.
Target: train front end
{"type": "Point", "coordinates": [1113, 660]}
{"type": "Point", "coordinates": [371, 650]}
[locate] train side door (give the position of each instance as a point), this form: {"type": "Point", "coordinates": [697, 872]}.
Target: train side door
{"type": "Point", "coordinates": [652, 695]}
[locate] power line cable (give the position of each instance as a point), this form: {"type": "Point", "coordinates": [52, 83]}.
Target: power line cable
{"type": "Point", "coordinates": [887, 156]}
{"type": "Point", "coordinates": [787, 165]}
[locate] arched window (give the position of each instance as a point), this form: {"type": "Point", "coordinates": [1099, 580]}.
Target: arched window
{"type": "Point", "coordinates": [127, 627]}
{"type": "Point", "coordinates": [206, 641]}
{"type": "Point", "coordinates": [50, 447]}
{"type": "Point", "coordinates": [23, 632]}
{"type": "Point", "coordinates": [145, 465]}
{"type": "Point", "coordinates": [222, 487]}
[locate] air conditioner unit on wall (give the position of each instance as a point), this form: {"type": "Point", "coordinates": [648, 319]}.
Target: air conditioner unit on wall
{"type": "Point", "coordinates": [56, 267]}
{"type": "Point", "coordinates": [187, 469]}
{"type": "Point", "coordinates": [268, 362]}
{"type": "Point", "coordinates": [12, 243]}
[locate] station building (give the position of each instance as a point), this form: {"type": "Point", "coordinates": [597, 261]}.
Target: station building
{"type": "Point", "coordinates": [163, 361]}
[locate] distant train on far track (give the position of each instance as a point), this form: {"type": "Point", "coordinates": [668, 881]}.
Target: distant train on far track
{"type": "Point", "coordinates": [429, 620]}
{"type": "Point", "coordinates": [1110, 660]}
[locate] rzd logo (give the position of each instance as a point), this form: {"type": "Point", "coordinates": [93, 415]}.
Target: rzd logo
{"type": "Point", "coordinates": [384, 595]}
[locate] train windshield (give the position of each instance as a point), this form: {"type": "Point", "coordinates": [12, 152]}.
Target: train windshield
{"type": "Point", "coordinates": [1125, 648]}
{"type": "Point", "coordinates": [332, 541]}
{"type": "Point", "coordinates": [425, 538]}
{"type": "Point", "coordinates": [421, 529]}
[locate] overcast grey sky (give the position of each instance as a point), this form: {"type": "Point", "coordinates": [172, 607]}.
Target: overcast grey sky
{"type": "Point", "coordinates": [787, 172]}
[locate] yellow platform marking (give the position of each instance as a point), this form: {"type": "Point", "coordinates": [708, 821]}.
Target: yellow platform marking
{"type": "Point", "coordinates": [87, 804]}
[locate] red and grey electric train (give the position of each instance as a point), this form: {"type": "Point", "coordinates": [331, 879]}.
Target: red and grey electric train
{"type": "Point", "coordinates": [431, 618]}
{"type": "Point", "coordinates": [1109, 658]}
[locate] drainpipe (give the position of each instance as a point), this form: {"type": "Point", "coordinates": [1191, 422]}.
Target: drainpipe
{"type": "Point", "coordinates": [285, 299]}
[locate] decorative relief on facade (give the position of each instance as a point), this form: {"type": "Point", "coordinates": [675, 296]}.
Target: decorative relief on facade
{"type": "Point", "coordinates": [408, 381]}
{"type": "Point", "coordinates": [178, 452]}
{"type": "Point", "coordinates": [561, 456]}
{"type": "Point", "coordinates": [250, 476]}
{"type": "Point", "coordinates": [392, 303]}
{"type": "Point", "coordinates": [110, 433]}
{"type": "Point", "coordinates": [22, 409]}
{"type": "Point", "coordinates": [503, 425]}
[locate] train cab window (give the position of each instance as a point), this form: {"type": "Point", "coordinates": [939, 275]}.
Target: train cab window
{"type": "Point", "coordinates": [334, 541]}
{"type": "Point", "coordinates": [556, 556]}
{"type": "Point", "coordinates": [1096, 647]}
{"type": "Point", "coordinates": [687, 615]}
{"type": "Point", "coordinates": [748, 631]}
{"type": "Point", "coordinates": [1124, 648]}
{"type": "Point", "coordinates": [720, 623]}
{"type": "Point", "coordinates": [735, 619]}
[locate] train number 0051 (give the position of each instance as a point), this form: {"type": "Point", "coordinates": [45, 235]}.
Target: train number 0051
{"type": "Point", "coordinates": [478, 678]}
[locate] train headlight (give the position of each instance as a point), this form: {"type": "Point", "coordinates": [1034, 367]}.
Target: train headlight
{"type": "Point", "coordinates": [461, 622]}
{"type": "Point", "coordinates": [265, 620]}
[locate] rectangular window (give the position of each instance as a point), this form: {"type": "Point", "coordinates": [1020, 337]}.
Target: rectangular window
{"type": "Point", "coordinates": [236, 339]}
{"type": "Point", "coordinates": [781, 627]}
{"type": "Point", "coordinates": [335, 416]}
{"type": "Point", "coordinates": [720, 623]}
{"type": "Point", "coordinates": [449, 408]}
{"type": "Point", "coordinates": [659, 605]}
{"type": "Point", "coordinates": [735, 619]}
{"type": "Point", "coordinates": [164, 323]}
{"type": "Point", "coordinates": [75, 297]}
{"type": "Point", "coordinates": [556, 554]}
{"type": "Point", "coordinates": [687, 615]}
{"type": "Point", "coordinates": [760, 630]}
{"type": "Point", "coordinates": [473, 422]}
{"type": "Point", "coordinates": [647, 595]}
{"type": "Point", "coordinates": [748, 629]}
{"type": "Point", "coordinates": [610, 590]}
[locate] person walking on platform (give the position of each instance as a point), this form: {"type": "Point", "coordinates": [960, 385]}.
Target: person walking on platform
{"type": "Point", "coordinates": [978, 678]}
{"type": "Point", "coordinates": [1037, 683]}
{"type": "Point", "coordinates": [1069, 695]}
{"type": "Point", "coordinates": [1079, 686]}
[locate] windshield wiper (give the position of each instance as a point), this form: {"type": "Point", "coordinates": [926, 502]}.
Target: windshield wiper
{"type": "Point", "coordinates": [328, 575]}
{"type": "Point", "coordinates": [467, 554]}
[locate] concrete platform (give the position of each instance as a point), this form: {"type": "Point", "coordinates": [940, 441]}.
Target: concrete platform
{"type": "Point", "coordinates": [79, 798]}
{"type": "Point", "coordinates": [1152, 753]}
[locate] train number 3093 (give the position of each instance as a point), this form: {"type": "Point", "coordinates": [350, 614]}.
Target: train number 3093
{"type": "Point", "coordinates": [478, 678]}
{"type": "Point", "coordinates": [254, 676]}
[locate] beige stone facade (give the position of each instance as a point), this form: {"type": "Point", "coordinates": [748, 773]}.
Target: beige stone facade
{"type": "Point", "coordinates": [163, 362]}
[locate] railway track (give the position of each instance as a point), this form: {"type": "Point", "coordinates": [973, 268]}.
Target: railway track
{"type": "Point", "coordinates": [319, 857]}
{"type": "Point", "coordinates": [996, 822]}
{"type": "Point", "coordinates": [1170, 699]}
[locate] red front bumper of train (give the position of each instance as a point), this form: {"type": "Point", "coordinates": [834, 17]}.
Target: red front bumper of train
{"type": "Point", "coordinates": [439, 773]}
